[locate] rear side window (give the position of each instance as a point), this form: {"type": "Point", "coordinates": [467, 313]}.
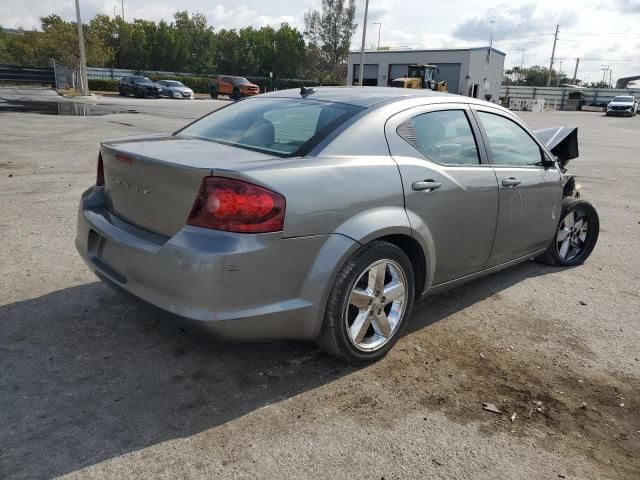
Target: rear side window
{"type": "Point", "coordinates": [280, 126]}
{"type": "Point", "coordinates": [510, 144]}
{"type": "Point", "coordinates": [444, 136]}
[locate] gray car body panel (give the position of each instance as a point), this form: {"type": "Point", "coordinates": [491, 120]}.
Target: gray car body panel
{"type": "Point", "coordinates": [352, 188]}
{"type": "Point", "coordinates": [238, 285]}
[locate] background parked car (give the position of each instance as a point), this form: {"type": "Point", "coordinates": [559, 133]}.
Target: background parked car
{"type": "Point", "coordinates": [623, 105]}
{"type": "Point", "coordinates": [235, 87]}
{"type": "Point", "coordinates": [174, 89]}
{"type": "Point", "coordinates": [138, 86]}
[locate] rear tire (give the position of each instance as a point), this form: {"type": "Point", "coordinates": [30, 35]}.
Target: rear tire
{"type": "Point", "coordinates": [122, 92]}
{"type": "Point", "coordinates": [214, 93]}
{"type": "Point", "coordinates": [576, 234]}
{"type": "Point", "coordinates": [364, 318]}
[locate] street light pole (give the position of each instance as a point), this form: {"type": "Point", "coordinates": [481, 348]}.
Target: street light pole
{"type": "Point", "coordinates": [379, 27]}
{"type": "Point", "coordinates": [364, 37]}
{"type": "Point", "coordinates": [83, 59]}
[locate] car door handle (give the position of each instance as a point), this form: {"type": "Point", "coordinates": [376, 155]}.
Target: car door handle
{"type": "Point", "coordinates": [510, 182]}
{"type": "Point", "coordinates": [428, 185]}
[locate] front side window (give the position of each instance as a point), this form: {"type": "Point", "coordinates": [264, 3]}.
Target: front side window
{"type": "Point", "coordinates": [510, 144]}
{"type": "Point", "coordinates": [280, 126]}
{"type": "Point", "coordinates": [444, 136]}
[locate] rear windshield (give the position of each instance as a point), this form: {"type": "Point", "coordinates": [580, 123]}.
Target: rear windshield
{"type": "Point", "coordinates": [280, 126]}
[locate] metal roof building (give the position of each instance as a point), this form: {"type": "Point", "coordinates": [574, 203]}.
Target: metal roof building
{"type": "Point", "coordinates": [475, 72]}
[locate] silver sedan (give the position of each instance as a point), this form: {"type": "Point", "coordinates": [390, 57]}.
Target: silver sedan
{"type": "Point", "coordinates": [325, 213]}
{"type": "Point", "coordinates": [174, 89]}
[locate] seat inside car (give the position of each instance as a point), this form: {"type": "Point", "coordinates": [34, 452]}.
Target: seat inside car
{"type": "Point", "coordinates": [260, 134]}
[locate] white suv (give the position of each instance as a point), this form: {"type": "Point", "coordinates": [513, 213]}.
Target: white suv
{"type": "Point", "coordinates": [623, 105]}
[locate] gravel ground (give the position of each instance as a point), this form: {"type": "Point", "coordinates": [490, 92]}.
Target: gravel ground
{"type": "Point", "coordinates": [93, 385]}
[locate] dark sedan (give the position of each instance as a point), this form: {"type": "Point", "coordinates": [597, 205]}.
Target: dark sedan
{"type": "Point", "coordinates": [139, 86]}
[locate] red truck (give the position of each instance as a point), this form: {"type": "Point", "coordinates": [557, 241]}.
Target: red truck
{"type": "Point", "coordinates": [235, 87]}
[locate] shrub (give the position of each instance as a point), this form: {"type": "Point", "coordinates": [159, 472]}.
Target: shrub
{"type": "Point", "coordinates": [103, 85]}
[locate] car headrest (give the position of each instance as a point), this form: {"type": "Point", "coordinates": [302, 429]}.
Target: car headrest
{"type": "Point", "coordinates": [260, 134]}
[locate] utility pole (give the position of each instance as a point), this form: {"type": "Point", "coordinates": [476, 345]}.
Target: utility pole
{"type": "Point", "coordinates": [521, 62]}
{"type": "Point", "coordinates": [553, 54]}
{"type": "Point", "coordinates": [83, 59]}
{"type": "Point", "coordinates": [364, 36]}
{"type": "Point", "coordinates": [379, 27]}
{"type": "Point", "coordinates": [122, 4]}
{"type": "Point", "coordinates": [575, 72]}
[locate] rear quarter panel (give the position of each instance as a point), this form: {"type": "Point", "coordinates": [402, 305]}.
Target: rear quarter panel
{"type": "Point", "coordinates": [355, 196]}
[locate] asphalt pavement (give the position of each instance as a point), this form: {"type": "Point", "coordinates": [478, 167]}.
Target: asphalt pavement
{"type": "Point", "coordinates": [94, 385]}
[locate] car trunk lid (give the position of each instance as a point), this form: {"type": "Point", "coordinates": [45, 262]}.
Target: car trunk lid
{"type": "Point", "coordinates": [152, 181]}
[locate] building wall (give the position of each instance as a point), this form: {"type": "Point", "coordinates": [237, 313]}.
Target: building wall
{"type": "Point", "coordinates": [460, 67]}
{"type": "Point", "coordinates": [486, 70]}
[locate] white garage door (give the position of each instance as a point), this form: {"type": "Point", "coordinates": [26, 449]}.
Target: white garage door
{"type": "Point", "coordinates": [370, 74]}
{"type": "Point", "coordinates": [397, 70]}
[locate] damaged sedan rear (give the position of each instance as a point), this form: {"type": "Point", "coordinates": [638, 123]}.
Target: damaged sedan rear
{"type": "Point", "coordinates": [326, 213]}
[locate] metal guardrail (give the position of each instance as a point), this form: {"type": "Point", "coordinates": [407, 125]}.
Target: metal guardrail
{"type": "Point", "coordinates": [15, 74]}
{"type": "Point", "coordinates": [559, 96]}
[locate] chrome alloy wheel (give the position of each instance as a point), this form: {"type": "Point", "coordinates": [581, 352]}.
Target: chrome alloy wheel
{"type": "Point", "coordinates": [572, 235]}
{"type": "Point", "coordinates": [376, 305]}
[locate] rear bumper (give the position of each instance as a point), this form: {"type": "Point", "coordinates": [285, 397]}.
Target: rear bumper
{"type": "Point", "coordinates": [240, 286]}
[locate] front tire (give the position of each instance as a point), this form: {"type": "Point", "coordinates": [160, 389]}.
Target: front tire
{"type": "Point", "coordinates": [369, 304]}
{"type": "Point", "coordinates": [576, 234]}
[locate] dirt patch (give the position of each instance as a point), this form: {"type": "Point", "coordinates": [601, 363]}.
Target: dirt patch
{"type": "Point", "coordinates": [555, 402]}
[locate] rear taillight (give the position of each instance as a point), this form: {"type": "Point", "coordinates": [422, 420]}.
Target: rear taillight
{"type": "Point", "coordinates": [100, 173]}
{"type": "Point", "coordinates": [237, 206]}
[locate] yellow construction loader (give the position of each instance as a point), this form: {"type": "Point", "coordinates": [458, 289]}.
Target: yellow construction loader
{"type": "Point", "coordinates": [421, 76]}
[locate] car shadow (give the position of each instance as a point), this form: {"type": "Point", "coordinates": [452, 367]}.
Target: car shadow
{"type": "Point", "coordinates": [89, 375]}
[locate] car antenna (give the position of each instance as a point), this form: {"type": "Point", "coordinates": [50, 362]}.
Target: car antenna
{"type": "Point", "coordinates": [304, 91]}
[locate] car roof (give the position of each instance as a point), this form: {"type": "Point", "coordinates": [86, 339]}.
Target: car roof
{"type": "Point", "coordinates": [368, 96]}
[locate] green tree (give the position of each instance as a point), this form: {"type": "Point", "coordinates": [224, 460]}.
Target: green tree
{"type": "Point", "coordinates": [60, 40]}
{"type": "Point", "coordinates": [187, 44]}
{"type": "Point", "coordinates": [100, 42]}
{"type": "Point", "coordinates": [194, 42]}
{"type": "Point", "coordinates": [331, 29]}
{"type": "Point", "coordinates": [5, 55]}
{"type": "Point", "coordinates": [535, 76]}
{"type": "Point", "coordinates": [290, 52]}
